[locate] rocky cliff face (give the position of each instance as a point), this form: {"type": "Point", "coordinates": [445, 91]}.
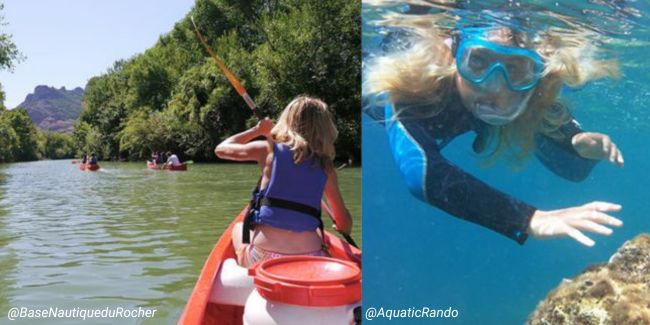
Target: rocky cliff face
{"type": "Point", "coordinates": [54, 109]}
{"type": "Point", "coordinates": [616, 293]}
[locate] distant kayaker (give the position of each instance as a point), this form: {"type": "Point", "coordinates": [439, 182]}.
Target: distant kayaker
{"type": "Point", "coordinates": [296, 161]}
{"type": "Point", "coordinates": [501, 84]}
{"type": "Point", "coordinates": [84, 159]}
{"type": "Point", "coordinates": [162, 158]}
{"type": "Point", "coordinates": [172, 159]}
{"type": "Point", "coordinates": [93, 159]}
{"type": "Point", "coordinates": [154, 157]}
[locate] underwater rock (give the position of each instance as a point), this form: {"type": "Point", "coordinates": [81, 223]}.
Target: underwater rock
{"type": "Point", "coordinates": [615, 293]}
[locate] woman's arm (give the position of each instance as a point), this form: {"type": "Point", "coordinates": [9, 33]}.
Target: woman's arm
{"type": "Point", "coordinates": [341, 216]}
{"type": "Point", "coordinates": [435, 180]}
{"type": "Point", "coordinates": [598, 146]}
{"type": "Point", "coordinates": [559, 155]}
{"type": "Point", "coordinates": [240, 146]}
{"type": "Point", "coordinates": [572, 153]}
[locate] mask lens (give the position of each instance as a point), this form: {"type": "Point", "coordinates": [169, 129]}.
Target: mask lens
{"type": "Point", "coordinates": [520, 69]}
{"type": "Point", "coordinates": [476, 62]}
{"type": "Point", "coordinates": [479, 61]}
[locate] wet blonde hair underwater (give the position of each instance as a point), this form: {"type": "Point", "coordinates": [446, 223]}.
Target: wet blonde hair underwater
{"type": "Point", "coordinates": [307, 127]}
{"type": "Point", "coordinates": [420, 79]}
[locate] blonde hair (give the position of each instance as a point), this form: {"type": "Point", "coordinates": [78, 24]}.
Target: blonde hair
{"type": "Point", "coordinates": [307, 127]}
{"type": "Point", "coordinates": [423, 77]}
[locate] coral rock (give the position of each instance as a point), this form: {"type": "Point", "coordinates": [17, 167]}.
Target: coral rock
{"type": "Point", "coordinates": [616, 293]}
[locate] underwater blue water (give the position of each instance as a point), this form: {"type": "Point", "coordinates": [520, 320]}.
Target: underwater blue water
{"type": "Point", "coordinates": [416, 255]}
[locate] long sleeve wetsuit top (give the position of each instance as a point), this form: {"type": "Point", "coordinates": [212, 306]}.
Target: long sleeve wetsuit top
{"type": "Point", "coordinates": [416, 144]}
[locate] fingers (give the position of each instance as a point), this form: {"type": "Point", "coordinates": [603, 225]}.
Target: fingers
{"type": "Point", "coordinates": [603, 218]}
{"type": "Point", "coordinates": [580, 237]}
{"type": "Point", "coordinates": [591, 226]}
{"type": "Point", "coordinates": [573, 221]}
{"type": "Point", "coordinates": [611, 150]}
{"type": "Point", "coordinates": [603, 206]}
{"type": "Point", "coordinates": [619, 159]}
{"type": "Point", "coordinates": [606, 143]}
{"type": "Point", "coordinates": [593, 220]}
{"type": "Point", "coordinates": [615, 155]}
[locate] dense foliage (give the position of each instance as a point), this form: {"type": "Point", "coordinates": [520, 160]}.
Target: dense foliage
{"type": "Point", "coordinates": [9, 54]}
{"type": "Point", "coordinates": [20, 140]}
{"type": "Point", "coordinates": [12, 126]}
{"type": "Point", "coordinates": [173, 97]}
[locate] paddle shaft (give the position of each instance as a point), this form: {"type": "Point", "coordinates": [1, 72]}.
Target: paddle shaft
{"type": "Point", "coordinates": [229, 75]}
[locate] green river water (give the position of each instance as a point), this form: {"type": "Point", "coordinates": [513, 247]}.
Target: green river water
{"type": "Point", "coordinates": [124, 236]}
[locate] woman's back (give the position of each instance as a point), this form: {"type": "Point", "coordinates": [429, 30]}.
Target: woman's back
{"type": "Point", "coordinates": [287, 229]}
{"type": "Point", "coordinates": [299, 184]}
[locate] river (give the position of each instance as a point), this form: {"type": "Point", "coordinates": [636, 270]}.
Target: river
{"type": "Point", "coordinates": [124, 236]}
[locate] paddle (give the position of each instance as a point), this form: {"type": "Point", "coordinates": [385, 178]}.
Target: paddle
{"type": "Point", "coordinates": [244, 95]}
{"type": "Point", "coordinates": [231, 77]}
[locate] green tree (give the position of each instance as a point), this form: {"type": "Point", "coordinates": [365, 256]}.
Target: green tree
{"type": "Point", "coordinates": [148, 83]}
{"type": "Point", "coordinates": [8, 141]}
{"type": "Point", "coordinates": [105, 109]}
{"type": "Point", "coordinates": [9, 53]}
{"type": "Point", "coordinates": [57, 145]}
{"type": "Point", "coordinates": [173, 96]}
{"type": "Point", "coordinates": [324, 37]}
{"type": "Point", "coordinates": [26, 146]}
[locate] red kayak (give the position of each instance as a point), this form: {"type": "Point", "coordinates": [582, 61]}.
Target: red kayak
{"type": "Point", "coordinates": [199, 309]}
{"type": "Point", "coordinates": [183, 166]}
{"type": "Point", "coordinates": [152, 165]}
{"type": "Point", "coordinates": [90, 167]}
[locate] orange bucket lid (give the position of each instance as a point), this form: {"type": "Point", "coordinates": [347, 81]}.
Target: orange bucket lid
{"type": "Point", "coordinates": [308, 281]}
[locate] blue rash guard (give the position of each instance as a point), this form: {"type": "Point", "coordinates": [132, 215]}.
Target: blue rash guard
{"type": "Point", "coordinates": [416, 144]}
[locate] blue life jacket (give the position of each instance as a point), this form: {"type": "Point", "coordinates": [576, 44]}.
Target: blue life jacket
{"type": "Point", "coordinates": [291, 200]}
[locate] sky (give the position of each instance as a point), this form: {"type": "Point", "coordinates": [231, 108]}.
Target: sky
{"type": "Point", "coordinates": [67, 42]}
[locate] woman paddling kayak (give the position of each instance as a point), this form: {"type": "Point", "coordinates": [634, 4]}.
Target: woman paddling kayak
{"type": "Point", "coordinates": [296, 161]}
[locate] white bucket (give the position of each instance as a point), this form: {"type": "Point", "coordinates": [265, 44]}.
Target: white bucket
{"type": "Point", "coordinates": [301, 290]}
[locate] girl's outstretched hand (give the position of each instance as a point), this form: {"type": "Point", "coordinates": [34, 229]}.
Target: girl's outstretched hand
{"type": "Point", "coordinates": [598, 146]}
{"type": "Point", "coordinates": [572, 221]}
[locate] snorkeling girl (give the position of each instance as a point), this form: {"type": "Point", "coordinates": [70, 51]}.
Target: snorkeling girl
{"type": "Point", "coordinates": [296, 161]}
{"type": "Point", "coordinates": [502, 84]}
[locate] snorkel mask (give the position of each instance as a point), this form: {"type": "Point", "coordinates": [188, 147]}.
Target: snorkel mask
{"type": "Point", "coordinates": [490, 67]}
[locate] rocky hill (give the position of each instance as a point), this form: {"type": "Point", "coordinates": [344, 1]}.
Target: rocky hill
{"type": "Point", "coordinates": [54, 109]}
